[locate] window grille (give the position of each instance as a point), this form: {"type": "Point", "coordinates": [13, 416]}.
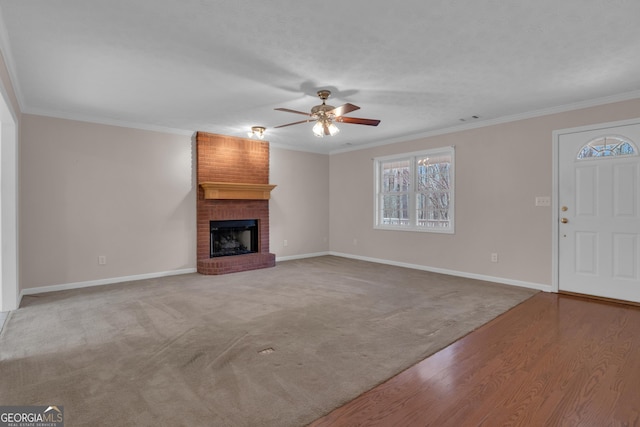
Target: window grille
{"type": "Point", "coordinates": [607, 146]}
{"type": "Point", "coordinates": [414, 191]}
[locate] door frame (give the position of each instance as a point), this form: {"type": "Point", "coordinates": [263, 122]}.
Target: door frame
{"type": "Point", "coordinates": [555, 202]}
{"type": "Point", "coordinates": [9, 297]}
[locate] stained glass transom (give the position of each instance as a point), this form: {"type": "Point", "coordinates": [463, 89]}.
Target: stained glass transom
{"type": "Point", "coordinates": [607, 146]}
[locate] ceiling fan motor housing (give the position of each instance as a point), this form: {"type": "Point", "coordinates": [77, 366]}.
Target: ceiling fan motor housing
{"type": "Point", "coordinates": [322, 110]}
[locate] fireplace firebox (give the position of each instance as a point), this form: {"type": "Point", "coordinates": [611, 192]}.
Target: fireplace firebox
{"type": "Point", "coordinates": [233, 237]}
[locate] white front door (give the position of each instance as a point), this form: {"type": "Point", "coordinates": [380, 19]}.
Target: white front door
{"type": "Point", "coordinates": [599, 212]}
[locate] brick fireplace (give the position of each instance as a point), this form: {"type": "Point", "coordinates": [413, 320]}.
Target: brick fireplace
{"type": "Point", "coordinates": [233, 184]}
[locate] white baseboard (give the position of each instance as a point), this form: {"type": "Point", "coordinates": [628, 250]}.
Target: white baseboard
{"type": "Point", "coordinates": [100, 282]}
{"type": "Point", "coordinates": [520, 283]}
{"type": "Point", "coordinates": [113, 280]}
{"type": "Point", "coordinates": [292, 257]}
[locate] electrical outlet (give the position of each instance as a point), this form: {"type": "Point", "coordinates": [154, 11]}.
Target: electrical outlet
{"type": "Point", "coordinates": [355, 242]}
{"type": "Point", "coordinates": [285, 243]}
{"type": "Point", "coordinates": [102, 260]}
{"type": "Point", "coordinates": [543, 201]}
{"type": "Point", "coordinates": [494, 257]}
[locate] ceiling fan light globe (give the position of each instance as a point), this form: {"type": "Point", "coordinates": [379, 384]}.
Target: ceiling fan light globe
{"type": "Point", "coordinates": [257, 131]}
{"type": "Point", "coordinates": [318, 129]}
{"type": "Point", "coordinates": [333, 129]}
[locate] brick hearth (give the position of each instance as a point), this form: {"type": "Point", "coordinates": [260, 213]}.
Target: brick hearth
{"type": "Point", "coordinates": [232, 160]}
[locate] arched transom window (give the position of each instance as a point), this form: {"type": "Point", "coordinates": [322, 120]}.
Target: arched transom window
{"type": "Point", "coordinates": [608, 146]}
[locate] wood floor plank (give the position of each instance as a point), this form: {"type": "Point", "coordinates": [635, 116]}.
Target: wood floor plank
{"type": "Point", "coordinates": [552, 360]}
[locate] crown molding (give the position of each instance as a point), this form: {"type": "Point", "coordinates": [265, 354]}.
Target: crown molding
{"type": "Point", "coordinates": [458, 128]}
{"type": "Point", "coordinates": [107, 121]}
{"type": "Point", "coordinates": [500, 120]}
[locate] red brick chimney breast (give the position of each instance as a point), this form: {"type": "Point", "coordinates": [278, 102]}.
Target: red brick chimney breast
{"type": "Point", "coordinates": [235, 160]}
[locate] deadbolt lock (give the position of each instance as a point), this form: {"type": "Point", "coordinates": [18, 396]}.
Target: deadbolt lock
{"type": "Point", "coordinates": [564, 220]}
{"type": "Point", "coordinates": [564, 209]}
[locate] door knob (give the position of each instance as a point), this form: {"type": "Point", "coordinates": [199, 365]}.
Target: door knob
{"type": "Point", "coordinates": [564, 220]}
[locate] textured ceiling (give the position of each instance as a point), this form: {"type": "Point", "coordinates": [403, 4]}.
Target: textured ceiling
{"type": "Point", "coordinates": [222, 66]}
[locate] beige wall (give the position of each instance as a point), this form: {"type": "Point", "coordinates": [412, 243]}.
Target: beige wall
{"type": "Point", "coordinates": [89, 190]}
{"type": "Point", "coordinates": [299, 206]}
{"type": "Point", "coordinates": [500, 170]}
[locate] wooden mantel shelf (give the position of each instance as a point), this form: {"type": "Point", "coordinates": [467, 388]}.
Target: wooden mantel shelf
{"type": "Point", "coordinates": [236, 191]}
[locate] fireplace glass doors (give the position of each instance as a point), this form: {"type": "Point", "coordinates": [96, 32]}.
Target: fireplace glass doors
{"type": "Point", "coordinates": [235, 237]}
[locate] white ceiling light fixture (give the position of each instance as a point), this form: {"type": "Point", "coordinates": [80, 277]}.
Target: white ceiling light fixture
{"type": "Point", "coordinates": [325, 126]}
{"type": "Point", "coordinates": [257, 131]}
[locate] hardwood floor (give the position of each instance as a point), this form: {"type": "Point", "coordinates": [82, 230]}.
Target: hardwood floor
{"type": "Point", "coordinates": [554, 360]}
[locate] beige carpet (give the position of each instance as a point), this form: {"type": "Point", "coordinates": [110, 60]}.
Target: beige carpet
{"type": "Point", "coordinates": [273, 347]}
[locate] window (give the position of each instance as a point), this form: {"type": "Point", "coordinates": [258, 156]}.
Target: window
{"type": "Point", "coordinates": [607, 146]}
{"type": "Point", "coordinates": [414, 191]}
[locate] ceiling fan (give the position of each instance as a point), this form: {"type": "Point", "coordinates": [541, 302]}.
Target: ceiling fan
{"type": "Point", "coordinates": [325, 115]}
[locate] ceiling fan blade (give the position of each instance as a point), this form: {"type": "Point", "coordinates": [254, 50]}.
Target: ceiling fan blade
{"type": "Point", "coordinates": [294, 123]}
{"type": "Point", "coordinates": [344, 109]}
{"type": "Point", "coordinates": [292, 111]}
{"type": "Point", "coordinates": [357, 121]}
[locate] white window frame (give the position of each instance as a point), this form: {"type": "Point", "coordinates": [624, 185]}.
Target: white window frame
{"type": "Point", "coordinates": [413, 158]}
